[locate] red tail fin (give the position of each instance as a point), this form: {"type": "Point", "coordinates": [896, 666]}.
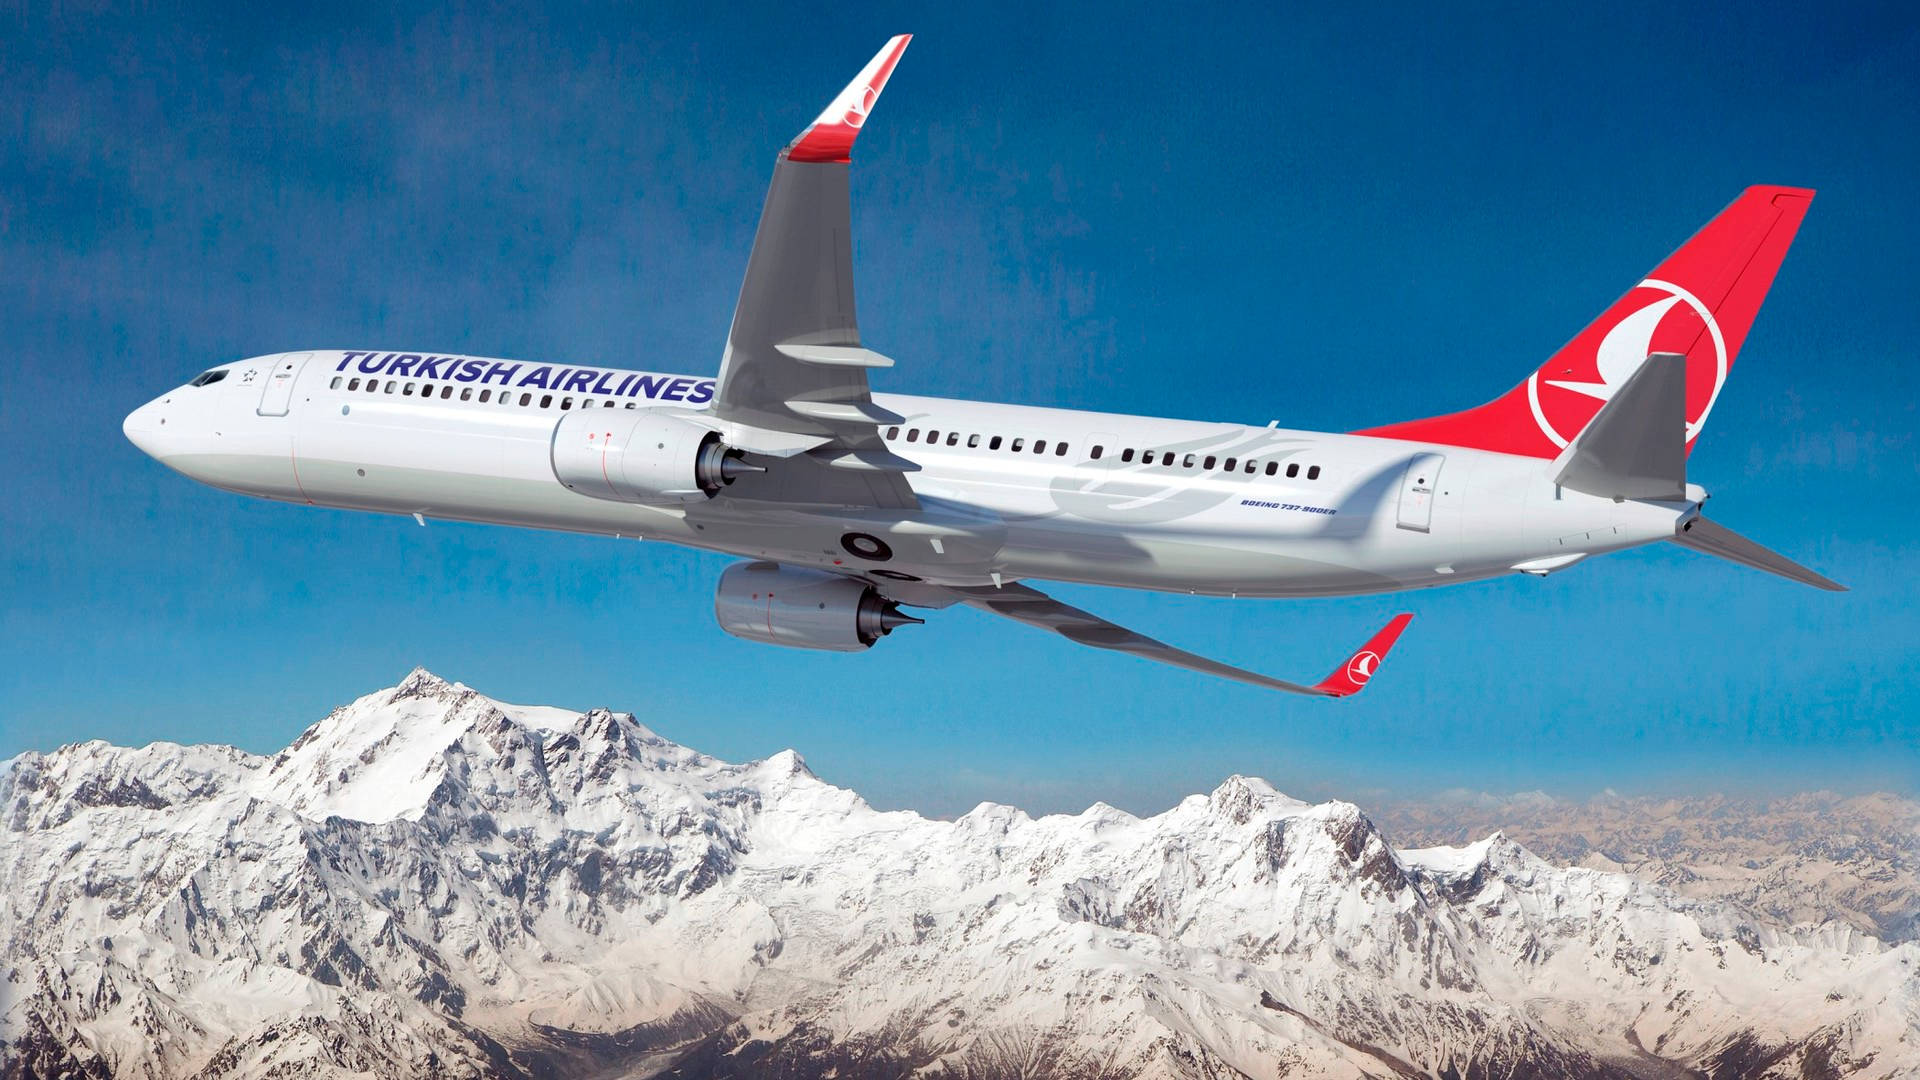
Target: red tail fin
{"type": "Point", "coordinates": [1699, 302]}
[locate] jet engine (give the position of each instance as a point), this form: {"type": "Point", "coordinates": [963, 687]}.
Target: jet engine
{"type": "Point", "coordinates": [648, 456]}
{"type": "Point", "coordinates": [802, 608]}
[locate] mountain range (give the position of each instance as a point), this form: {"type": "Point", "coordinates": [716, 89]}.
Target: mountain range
{"type": "Point", "coordinates": [429, 882]}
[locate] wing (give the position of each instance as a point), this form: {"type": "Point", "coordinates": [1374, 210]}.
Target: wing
{"type": "Point", "coordinates": [1035, 608]}
{"type": "Point", "coordinates": [793, 382]}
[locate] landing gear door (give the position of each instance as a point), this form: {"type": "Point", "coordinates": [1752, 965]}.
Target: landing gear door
{"type": "Point", "coordinates": [277, 395]}
{"type": "Point", "coordinates": [1416, 491]}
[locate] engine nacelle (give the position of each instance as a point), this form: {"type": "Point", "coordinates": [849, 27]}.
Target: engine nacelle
{"type": "Point", "coordinates": [803, 609]}
{"type": "Point", "coordinates": [648, 456]}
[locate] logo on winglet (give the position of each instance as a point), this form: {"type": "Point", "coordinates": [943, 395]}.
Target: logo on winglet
{"type": "Point", "coordinates": [1362, 666]}
{"type": "Point", "coordinates": [860, 106]}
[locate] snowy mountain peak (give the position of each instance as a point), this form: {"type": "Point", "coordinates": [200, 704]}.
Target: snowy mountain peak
{"type": "Point", "coordinates": [788, 763]}
{"type": "Point", "coordinates": [423, 683]}
{"type": "Point", "coordinates": [1240, 798]}
{"type": "Point", "coordinates": [432, 881]}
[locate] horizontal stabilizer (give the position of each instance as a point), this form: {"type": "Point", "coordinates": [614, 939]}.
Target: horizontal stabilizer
{"type": "Point", "coordinates": [1714, 539]}
{"type": "Point", "coordinates": [1636, 446]}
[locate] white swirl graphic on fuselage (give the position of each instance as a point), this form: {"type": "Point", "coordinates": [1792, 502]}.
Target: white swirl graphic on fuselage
{"type": "Point", "coordinates": [1150, 494]}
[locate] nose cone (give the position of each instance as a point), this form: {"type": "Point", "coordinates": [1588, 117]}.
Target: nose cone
{"type": "Point", "coordinates": [145, 427]}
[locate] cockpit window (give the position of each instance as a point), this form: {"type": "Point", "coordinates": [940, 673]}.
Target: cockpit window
{"type": "Point", "coordinates": [208, 378]}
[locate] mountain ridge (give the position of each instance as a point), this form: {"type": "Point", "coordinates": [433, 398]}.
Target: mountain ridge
{"type": "Point", "coordinates": [429, 880]}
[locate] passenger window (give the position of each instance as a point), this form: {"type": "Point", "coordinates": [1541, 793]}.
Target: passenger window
{"type": "Point", "coordinates": [1293, 470]}
{"type": "Point", "coordinates": [1232, 464]}
{"type": "Point", "coordinates": [953, 438]}
{"type": "Point", "coordinates": [1059, 449]}
{"type": "Point", "coordinates": [446, 392]}
{"type": "Point", "coordinates": [1018, 444]}
{"type": "Point", "coordinates": [893, 433]}
{"type": "Point", "coordinates": [1039, 446]}
{"type": "Point", "coordinates": [1251, 464]}
{"type": "Point", "coordinates": [1313, 473]}
{"type": "Point", "coordinates": [466, 393]}
{"type": "Point", "coordinates": [408, 390]}
{"type": "Point", "coordinates": [913, 434]}
{"type": "Point", "coordinates": [391, 384]}
{"type": "Point", "coordinates": [1127, 454]}
{"type": "Point", "coordinates": [587, 404]}
{"type": "Point", "coordinates": [335, 384]}
{"type": "Point", "coordinates": [486, 396]}
{"type": "Point", "coordinates": [973, 441]}
{"type": "Point", "coordinates": [1187, 462]}
{"type": "Point", "coordinates": [526, 399]}
{"type": "Point", "coordinates": [566, 402]}
{"type": "Point", "coordinates": [994, 444]}
{"type": "Point", "coordinates": [933, 436]}
{"type": "Point", "coordinates": [611, 403]}
{"type": "Point", "coordinates": [546, 401]}
{"type": "Point", "coordinates": [353, 384]}
{"type": "Point", "coordinates": [1097, 449]}
{"type": "Point", "coordinates": [1272, 467]}
{"type": "Point", "coordinates": [1208, 464]}
{"type": "Point", "coordinates": [633, 404]}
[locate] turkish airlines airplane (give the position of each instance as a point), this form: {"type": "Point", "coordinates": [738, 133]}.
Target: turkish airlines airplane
{"type": "Point", "coordinates": [852, 505]}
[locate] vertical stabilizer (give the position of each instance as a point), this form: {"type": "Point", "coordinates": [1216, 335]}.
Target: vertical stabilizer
{"type": "Point", "coordinates": [1699, 303]}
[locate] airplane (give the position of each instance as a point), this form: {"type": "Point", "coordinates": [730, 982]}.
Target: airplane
{"type": "Point", "coordinates": [851, 507]}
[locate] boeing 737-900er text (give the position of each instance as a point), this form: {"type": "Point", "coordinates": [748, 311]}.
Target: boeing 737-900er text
{"type": "Point", "coordinates": [851, 505]}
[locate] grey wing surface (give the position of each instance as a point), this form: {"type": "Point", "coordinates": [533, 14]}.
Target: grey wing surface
{"type": "Point", "coordinates": [1035, 608]}
{"type": "Point", "coordinates": [793, 382]}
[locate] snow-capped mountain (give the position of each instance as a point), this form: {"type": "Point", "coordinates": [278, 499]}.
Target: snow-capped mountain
{"type": "Point", "coordinates": [1800, 858]}
{"type": "Point", "coordinates": [430, 882]}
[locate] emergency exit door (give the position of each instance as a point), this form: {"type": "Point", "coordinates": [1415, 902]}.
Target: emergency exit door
{"type": "Point", "coordinates": [1417, 489]}
{"type": "Point", "coordinates": [277, 395]}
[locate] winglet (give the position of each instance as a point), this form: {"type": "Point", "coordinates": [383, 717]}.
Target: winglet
{"type": "Point", "coordinates": [1352, 676]}
{"type": "Point", "coordinates": [830, 137]}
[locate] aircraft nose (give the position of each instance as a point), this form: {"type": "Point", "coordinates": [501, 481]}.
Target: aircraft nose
{"type": "Point", "coordinates": [145, 427]}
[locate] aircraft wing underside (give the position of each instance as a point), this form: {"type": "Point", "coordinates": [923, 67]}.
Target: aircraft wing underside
{"type": "Point", "coordinates": [1035, 608]}
{"type": "Point", "coordinates": [793, 381]}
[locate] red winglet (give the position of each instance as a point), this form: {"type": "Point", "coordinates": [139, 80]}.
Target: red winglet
{"type": "Point", "coordinates": [831, 136]}
{"type": "Point", "coordinates": [1352, 676]}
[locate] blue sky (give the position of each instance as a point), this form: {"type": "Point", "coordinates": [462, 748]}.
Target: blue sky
{"type": "Point", "coordinates": [1328, 219]}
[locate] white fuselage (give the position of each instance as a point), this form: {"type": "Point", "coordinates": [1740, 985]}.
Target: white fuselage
{"type": "Point", "coordinates": [1318, 514]}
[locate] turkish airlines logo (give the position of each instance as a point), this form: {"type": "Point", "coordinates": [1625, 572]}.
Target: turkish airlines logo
{"type": "Point", "coordinates": [1362, 666]}
{"type": "Point", "coordinates": [860, 106]}
{"type": "Point", "coordinates": [1566, 406]}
